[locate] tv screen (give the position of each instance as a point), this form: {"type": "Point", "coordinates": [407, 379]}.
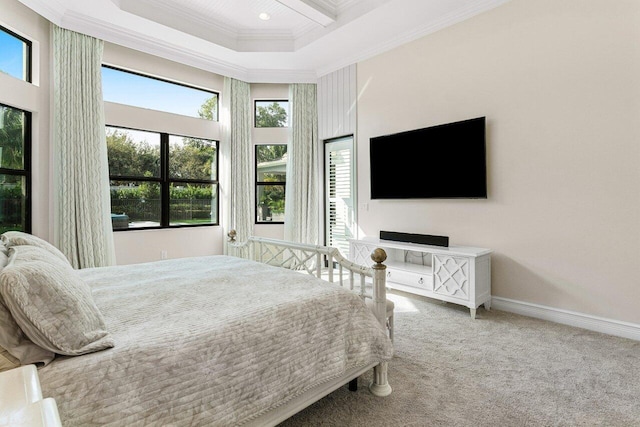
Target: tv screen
{"type": "Point", "coordinates": [444, 161]}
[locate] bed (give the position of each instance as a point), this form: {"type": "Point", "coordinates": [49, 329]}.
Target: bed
{"type": "Point", "coordinates": [224, 340]}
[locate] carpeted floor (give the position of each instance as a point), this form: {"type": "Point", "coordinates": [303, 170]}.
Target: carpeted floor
{"type": "Point", "coordinates": [500, 370]}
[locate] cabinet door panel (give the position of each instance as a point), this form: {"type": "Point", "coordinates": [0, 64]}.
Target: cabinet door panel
{"type": "Point", "coordinates": [451, 276]}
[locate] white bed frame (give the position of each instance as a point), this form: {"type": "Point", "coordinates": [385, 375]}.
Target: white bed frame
{"type": "Point", "coordinates": [311, 259]}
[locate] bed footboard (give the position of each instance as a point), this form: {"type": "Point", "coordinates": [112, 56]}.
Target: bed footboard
{"type": "Point", "coordinates": [326, 263]}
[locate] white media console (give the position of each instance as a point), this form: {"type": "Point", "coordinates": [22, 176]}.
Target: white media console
{"type": "Point", "coordinates": [456, 274]}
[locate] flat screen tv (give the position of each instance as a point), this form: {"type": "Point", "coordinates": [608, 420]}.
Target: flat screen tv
{"type": "Point", "coordinates": [444, 161]}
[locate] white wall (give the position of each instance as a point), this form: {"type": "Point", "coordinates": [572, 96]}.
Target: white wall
{"type": "Point", "coordinates": [33, 97]}
{"type": "Point", "coordinates": [559, 83]}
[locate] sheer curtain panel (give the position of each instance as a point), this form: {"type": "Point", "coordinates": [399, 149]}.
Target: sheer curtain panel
{"type": "Point", "coordinates": [301, 210]}
{"type": "Point", "coordinates": [236, 158]}
{"type": "Point", "coordinates": [82, 227]}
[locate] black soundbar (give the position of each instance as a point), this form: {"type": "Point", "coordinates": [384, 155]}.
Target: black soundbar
{"type": "Point", "coordinates": [423, 239]}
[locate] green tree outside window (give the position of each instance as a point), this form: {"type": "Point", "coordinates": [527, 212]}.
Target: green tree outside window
{"type": "Point", "coordinates": [13, 170]}
{"type": "Point", "coordinates": [271, 114]}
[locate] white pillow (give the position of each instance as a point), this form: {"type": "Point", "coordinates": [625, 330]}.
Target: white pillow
{"type": "Point", "coordinates": [22, 253]}
{"type": "Point", "coordinates": [51, 303]}
{"type": "Point", "coordinates": [18, 238]}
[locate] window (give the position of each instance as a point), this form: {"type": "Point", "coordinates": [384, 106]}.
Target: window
{"type": "Point", "coordinates": [160, 180]}
{"type": "Point", "coordinates": [15, 55]}
{"type": "Point", "coordinates": [271, 177]}
{"type": "Point", "coordinates": [15, 169]}
{"type": "Point", "coordinates": [272, 113]}
{"type": "Point", "coordinates": [124, 87]}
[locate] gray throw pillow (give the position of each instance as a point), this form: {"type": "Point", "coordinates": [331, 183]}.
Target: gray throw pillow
{"type": "Point", "coordinates": [18, 238]}
{"type": "Point", "coordinates": [51, 303]}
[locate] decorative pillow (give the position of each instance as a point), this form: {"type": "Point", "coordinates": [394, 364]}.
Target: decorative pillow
{"type": "Point", "coordinates": [35, 253]}
{"type": "Point", "coordinates": [18, 238]}
{"type": "Point", "coordinates": [52, 304]}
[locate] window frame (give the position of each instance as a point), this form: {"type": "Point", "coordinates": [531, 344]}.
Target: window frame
{"type": "Point", "coordinates": [28, 60]}
{"type": "Point", "coordinates": [264, 183]}
{"type": "Point", "coordinates": [136, 73]}
{"type": "Point", "coordinates": [255, 114]}
{"type": "Point", "coordinates": [165, 181]}
{"type": "Point", "coordinates": [26, 166]}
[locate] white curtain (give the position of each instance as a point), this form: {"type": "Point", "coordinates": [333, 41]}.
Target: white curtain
{"type": "Point", "coordinates": [236, 118]}
{"type": "Point", "coordinates": [301, 209]}
{"type": "Point", "coordinates": [82, 228]}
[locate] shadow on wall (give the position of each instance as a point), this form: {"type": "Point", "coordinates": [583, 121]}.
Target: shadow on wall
{"type": "Point", "coordinates": [517, 281]}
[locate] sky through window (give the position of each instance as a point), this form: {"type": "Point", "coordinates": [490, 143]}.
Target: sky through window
{"type": "Point", "coordinates": [145, 92]}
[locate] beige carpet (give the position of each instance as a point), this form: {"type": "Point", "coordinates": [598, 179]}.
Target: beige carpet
{"type": "Point", "coordinates": [499, 370]}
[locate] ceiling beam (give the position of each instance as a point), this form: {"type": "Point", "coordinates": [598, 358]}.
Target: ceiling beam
{"type": "Point", "coordinates": [311, 10]}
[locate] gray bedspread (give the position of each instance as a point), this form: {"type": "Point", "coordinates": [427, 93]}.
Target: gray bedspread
{"type": "Point", "coordinates": [210, 341]}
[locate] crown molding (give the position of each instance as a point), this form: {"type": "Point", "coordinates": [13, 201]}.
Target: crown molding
{"type": "Point", "coordinates": [281, 76]}
{"type": "Point", "coordinates": [134, 40]}
{"type": "Point", "coordinates": [133, 7]}
{"type": "Point", "coordinates": [311, 10]}
{"type": "Point", "coordinates": [113, 33]}
{"type": "Point", "coordinates": [214, 31]}
{"type": "Point", "coordinates": [52, 10]}
{"type": "Point", "coordinates": [412, 34]}
{"type": "Point", "coordinates": [182, 20]}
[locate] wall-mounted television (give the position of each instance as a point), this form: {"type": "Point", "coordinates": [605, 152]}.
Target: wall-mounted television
{"type": "Point", "coordinates": [444, 161]}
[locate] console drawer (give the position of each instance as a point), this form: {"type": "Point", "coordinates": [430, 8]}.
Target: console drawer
{"type": "Point", "coordinates": [410, 278]}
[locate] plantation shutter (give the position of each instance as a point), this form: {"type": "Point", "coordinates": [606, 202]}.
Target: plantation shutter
{"type": "Point", "coordinates": [340, 190]}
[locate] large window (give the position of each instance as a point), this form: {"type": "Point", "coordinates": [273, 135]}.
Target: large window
{"type": "Point", "coordinates": [124, 87]}
{"type": "Point", "coordinates": [272, 113]}
{"type": "Point", "coordinates": [15, 55]}
{"type": "Point", "coordinates": [15, 169]}
{"type": "Point", "coordinates": [271, 178]}
{"type": "Point", "coordinates": [161, 180]}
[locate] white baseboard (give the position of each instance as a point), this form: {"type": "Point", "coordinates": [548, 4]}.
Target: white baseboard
{"type": "Point", "coordinates": [571, 318]}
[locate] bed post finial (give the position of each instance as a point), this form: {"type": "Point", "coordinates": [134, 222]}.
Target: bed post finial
{"type": "Point", "coordinates": [378, 256]}
{"type": "Point", "coordinates": [232, 236]}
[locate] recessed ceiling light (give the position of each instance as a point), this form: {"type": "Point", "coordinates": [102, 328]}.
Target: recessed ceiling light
{"type": "Point", "coordinates": [264, 16]}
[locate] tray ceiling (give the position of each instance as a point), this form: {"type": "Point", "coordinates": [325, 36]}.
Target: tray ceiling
{"type": "Point", "coordinates": [301, 41]}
